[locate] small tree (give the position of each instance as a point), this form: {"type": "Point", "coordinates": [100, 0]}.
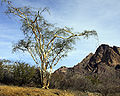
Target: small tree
{"type": "Point", "coordinates": [46, 43]}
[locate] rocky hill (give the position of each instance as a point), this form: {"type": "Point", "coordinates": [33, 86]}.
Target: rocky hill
{"type": "Point", "coordinates": [105, 56]}
{"type": "Point", "coordinates": [98, 72]}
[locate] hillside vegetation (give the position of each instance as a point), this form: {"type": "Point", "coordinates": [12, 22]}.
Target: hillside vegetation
{"type": "Point", "coordinates": [87, 77]}
{"type": "Point", "coordinates": [98, 72]}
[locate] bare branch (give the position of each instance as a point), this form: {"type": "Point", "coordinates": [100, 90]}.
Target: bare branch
{"type": "Point", "coordinates": [32, 55]}
{"type": "Point", "coordinates": [58, 60]}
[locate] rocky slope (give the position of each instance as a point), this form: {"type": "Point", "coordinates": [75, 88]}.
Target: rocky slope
{"type": "Point", "coordinates": [98, 72]}
{"type": "Point", "coordinates": [104, 58]}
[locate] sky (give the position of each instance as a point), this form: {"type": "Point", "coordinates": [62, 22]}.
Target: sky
{"type": "Point", "coordinates": [100, 15]}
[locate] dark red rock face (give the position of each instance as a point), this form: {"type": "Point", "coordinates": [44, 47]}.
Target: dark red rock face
{"type": "Point", "coordinates": [106, 54]}
{"type": "Point", "coordinates": [102, 67]}
{"type": "Point", "coordinates": [104, 57]}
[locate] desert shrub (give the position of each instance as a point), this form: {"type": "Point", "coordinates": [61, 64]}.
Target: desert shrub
{"type": "Point", "coordinates": [8, 77]}
{"type": "Point", "coordinates": [1, 71]}
{"type": "Point", "coordinates": [108, 86]}
{"type": "Point", "coordinates": [108, 82]}
{"type": "Point", "coordinates": [81, 83]}
{"type": "Point", "coordinates": [57, 80]}
{"type": "Point", "coordinates": [105, 83]}
{"type": "Point", "coordinates": [36, 80]}
{"type": "Point", "coordinates": [117, 72]}
{"type": "Point", "coordinates": [5, 72]}
{"type": "Point", "coordinates": [74, 82]}
{"type": "Point", "coordinates": [84, 83]}
{"type": "Point", "coordinates": [94, 78]}
{"type": "Point", "coordinates": [23, 73]}
{"type": "Point", "coordinates": [105, 89]}
{"type": "Point", "coordinates": [17, 73]}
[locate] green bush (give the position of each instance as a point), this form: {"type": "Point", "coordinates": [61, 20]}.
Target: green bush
{"type": "Point", "coordinates": [1, 71]}
{"type": "Point", "coordinates": [23, 73]}
{"type": "Point", "coordinates": [16, 73]}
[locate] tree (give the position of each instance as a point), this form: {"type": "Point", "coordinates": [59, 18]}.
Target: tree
{"type": "Point", "coordinates": [46, 43]}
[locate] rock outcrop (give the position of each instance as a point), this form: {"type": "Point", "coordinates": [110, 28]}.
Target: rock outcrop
{"type": "Point", "coordinates": [96, 72]}
{"type": "Point", "coordinates": [104, 55]}
{"type": "Point", "coordinates": [62, 69]}
{"type": "Point", "coordinates": [104, 58]}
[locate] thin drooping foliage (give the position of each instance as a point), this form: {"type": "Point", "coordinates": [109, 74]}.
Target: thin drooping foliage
{"type": "Point", "coordinates": [46, 43]}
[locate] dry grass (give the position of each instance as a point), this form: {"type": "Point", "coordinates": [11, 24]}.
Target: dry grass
{"type": "Point", "coordinates": [31, 91]}
{"type": "Point", "coordinates": [25, 91]}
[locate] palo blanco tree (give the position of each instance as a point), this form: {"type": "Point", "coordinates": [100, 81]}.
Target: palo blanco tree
{"type": "Point", "coordinates": [46, 43]}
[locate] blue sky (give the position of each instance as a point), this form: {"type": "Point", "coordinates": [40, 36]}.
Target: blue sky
{"type": "Point", "coordinates": [100, 15]}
